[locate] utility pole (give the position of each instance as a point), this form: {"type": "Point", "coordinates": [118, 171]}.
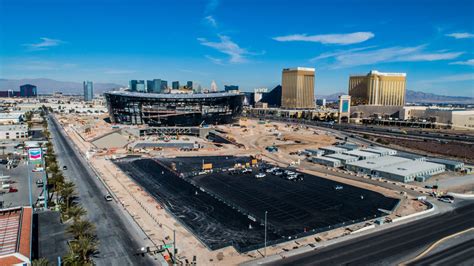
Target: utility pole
{"type": "Point", "coordinates": [174, 246]}
{"type": "Point", "coordinates": [265, 249]}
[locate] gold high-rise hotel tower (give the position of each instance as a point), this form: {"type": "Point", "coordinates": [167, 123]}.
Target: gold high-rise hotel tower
{"type": "Point", "coordinates": [297, 88]}
{"type": "Point", "coordinates": [378, 88]}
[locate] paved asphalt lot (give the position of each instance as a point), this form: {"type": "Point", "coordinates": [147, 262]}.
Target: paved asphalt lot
{"type": "Point", "coordinates": [19, 176]}
{"type": "Point", "coordinates": [389, 246]}
{"type": "Point", "coordinates": [119, 239]}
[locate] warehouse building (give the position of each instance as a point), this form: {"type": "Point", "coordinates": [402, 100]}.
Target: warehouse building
{"type": "Point", "coordinates": [380, 151]}
{"type": "Point", "coordinates": [412, 156]}
{"type": "Point", "coordinates": [362, 155]}
{"type": "Point", "coordinates": [449, 164]}
{"type": "Point", "coordinates": [408, 171]}
{"type": "Point", "coordinates": [314, 152]}
{"type": "Point", "coordinates": [348, 146]}
{"type": "Point", "coordinates": [11, 118]}
{"type": "Point", "coordinates": [327, 161]}
{"type": "Point", "coordinates": [344, 158]}
{"type": "Point", "coordinates": [332, 150]}
{"type": "Point", "coordinates": [396, 168]}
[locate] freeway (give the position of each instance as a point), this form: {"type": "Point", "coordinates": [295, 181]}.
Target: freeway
{"type": "Point", "coordinates": [119, 239]}
{"type": "Point", "coordinates": [456, 255]}
{"type": "Point", "coordinates": [386, 130]}
{"type": "Point", "coordinates": [390, 246]}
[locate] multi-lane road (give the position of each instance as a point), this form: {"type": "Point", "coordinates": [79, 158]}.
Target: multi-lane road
{"type": "Point", "coordinates": [120, 239]}
{"type": "Point", "coordinates": [460, 254]}
{"type": "Point", "coordinates": [395, 245]}
{"type": "Point", "coordinates": [385, 130]}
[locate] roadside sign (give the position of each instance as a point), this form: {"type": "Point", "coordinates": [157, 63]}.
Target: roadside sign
{"type": "Point", "coordinates": [35, 156]}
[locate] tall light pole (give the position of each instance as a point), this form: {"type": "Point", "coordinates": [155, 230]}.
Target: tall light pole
{"type": "Point", "coordinates": [174, 246]}
{"type": "Point", "coordinates": [265, 249]}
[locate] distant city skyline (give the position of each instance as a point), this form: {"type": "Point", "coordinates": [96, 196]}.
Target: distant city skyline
{"type": "Point", "coordinates": [434, 46]}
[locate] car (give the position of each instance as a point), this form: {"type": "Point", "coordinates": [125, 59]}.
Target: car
{"type": "Point", "coordinates": [278, 172]}
{"type": "Point", "coordinates": [39, 169]}
{"type": "Point", "coordinates": [12, 190]}
{"type": "Point", "coordinates": [108, 197]}
{"type": "Point", "coordinates": [289, 173]}
{"type": "Point", "coordinates": [64, 167]}
{"type": "Point", "coordinates": [246, 170]}
{"type": "Point", "coordinates": [273, 169]}
{"type": "Point", "coordinates": [260, 175]}
{"type": "Point", "coordinates": [447, 200]}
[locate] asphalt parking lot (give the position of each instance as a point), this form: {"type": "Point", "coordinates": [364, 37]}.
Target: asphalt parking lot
{"type": "Point", "coordinates": [228, 209]}
{"type": "Point", "coordinates": [19, 179]}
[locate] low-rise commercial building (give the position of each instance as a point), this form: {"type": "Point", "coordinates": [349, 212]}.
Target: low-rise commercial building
{"type": "Point", "coordinates": [396, 168]}
{"type": "Point", "coordinates": [348, 146]}
{"type": "Point", "coordinates": [13, 132]}
{"type": "Point", "coordinates": [332, 149]}
{"type": "Point", "coordinates": [449, 164]}
{"type": "Point", "coordinates": [362, 155]}
{"type": "Point", "coordinates": [11, 118]}
{"type": "Point", "coordinates": [326, 161]}
{"type": "Point", "coordinates": [422, 116]}
{"type": "Point", "coordinates": [381, 151]}
{"type": "Point", "coordinates": [16, 236]}
{"type": "Point", "coordinates": [314, 152]}
{"type": "Point", "coordinates": [343, 158]}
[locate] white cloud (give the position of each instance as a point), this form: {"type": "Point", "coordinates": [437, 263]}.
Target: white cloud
{"type": "Point", "coordinates": [348, 38]}
{"type": "Point", "coordinates": [217, 61]}
{"type": "Point", "coordinates": [469, 62]}
{"type": "Point", "coordinates": [353, 57]}
{"type": "Point", "coordinates": [451, 78]}
{"type": "Point", "coordinates": [227, 46]}
{"type": "Point", "coordinates": [461, 35]}
{"type": "Point", "coordinates": [44, 44]}
{"type": "Point", "coordinates": [338, 53]}
{"type": "Point", "coordinates": [211, 20]}
{"type": "Point", "coordinates": [430, 56]}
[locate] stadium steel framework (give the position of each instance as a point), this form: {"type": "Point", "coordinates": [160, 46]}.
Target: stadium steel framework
{"type": "Point", "coordinates": [154, 109]}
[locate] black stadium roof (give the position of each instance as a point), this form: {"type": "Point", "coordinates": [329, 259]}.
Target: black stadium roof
{"type": "Point", "coordinates": [172, 95]}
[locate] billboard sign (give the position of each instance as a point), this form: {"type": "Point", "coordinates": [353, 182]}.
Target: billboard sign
{"type": "Point", "coordinates": [35, 155]}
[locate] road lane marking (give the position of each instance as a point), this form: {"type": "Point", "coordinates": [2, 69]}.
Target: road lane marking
{"type": "Point", "coordinates": [434, 245]}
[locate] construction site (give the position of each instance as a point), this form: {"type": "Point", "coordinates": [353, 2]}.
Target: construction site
{"type": "Point", "coordinates": [212, 187]}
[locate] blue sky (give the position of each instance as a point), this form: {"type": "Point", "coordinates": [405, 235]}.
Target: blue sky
{"type": "Point", "coordinates": [240, 42]}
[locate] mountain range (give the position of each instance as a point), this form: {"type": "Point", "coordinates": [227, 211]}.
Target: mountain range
{"type": "Point", "coordinates": [47, 86]}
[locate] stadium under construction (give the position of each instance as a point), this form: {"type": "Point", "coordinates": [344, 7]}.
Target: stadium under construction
{"type": "Point", "coordinates": [153, 109]}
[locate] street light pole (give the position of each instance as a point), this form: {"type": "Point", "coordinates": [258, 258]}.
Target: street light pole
{"type": "Point", "coordinates": [174, 246]}
{"type": "Point", "coordinates": [265, 249]}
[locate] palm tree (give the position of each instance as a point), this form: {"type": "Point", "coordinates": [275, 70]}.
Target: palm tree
{"type": "Point", "coordinates": [76, 212]}
{"type": "Point", "coordinates": [71, 259]}
{"type": "Point", "coordinates": [67, 192]}
{"type": "Point", "coordinates": [81, 228]}
{"type": "Point", "coordinates": [40, 262]}
{"type": "Point", "coordinates": [85, 246]}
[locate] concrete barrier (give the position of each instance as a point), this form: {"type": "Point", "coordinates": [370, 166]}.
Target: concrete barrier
{"type": "Point", "coordinates": [462, 196]}
{"type": "Point", "coordinates": [430, 210]}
